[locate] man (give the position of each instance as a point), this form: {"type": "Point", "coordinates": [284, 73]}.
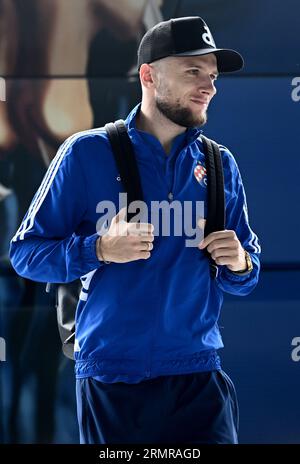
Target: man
{"type": "Point", "coordinates": [147, 332]}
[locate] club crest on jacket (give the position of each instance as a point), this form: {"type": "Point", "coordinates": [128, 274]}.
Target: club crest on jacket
{"type": "Point", "coordinates": [200, 174]}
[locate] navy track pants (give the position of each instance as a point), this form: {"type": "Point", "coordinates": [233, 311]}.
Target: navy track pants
{"type": "Point", "coordinates": [187, 408]}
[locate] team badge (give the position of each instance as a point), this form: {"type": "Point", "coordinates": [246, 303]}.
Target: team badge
{"type": "Point", "coordinates": [200, 174]}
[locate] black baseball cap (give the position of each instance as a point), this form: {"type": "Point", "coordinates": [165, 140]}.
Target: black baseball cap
{"type": "Point", "coordinates": [187, 36]}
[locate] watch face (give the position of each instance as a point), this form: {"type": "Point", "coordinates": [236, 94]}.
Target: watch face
{"type": "Point", "coordinates": [248, 261]}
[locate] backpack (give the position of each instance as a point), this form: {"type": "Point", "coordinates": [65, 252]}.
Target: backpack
{"type": "Point", "coordinates": [67, 294]}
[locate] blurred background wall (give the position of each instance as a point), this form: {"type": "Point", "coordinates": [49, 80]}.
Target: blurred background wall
{"type": "Point", "coordinates": [69, 65]}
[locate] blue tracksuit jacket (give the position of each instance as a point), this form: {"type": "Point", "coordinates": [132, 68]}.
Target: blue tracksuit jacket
{"type": "Point", "coordinates": [148, 317]}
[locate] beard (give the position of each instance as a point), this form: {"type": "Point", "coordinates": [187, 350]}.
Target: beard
{"type": "Point", "coordinates": [180, 115]}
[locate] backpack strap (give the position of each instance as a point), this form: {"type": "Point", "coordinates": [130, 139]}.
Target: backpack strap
{"type": "Point", "coordinates": [215, 193]}
{"type": "Point", "coordinates": [126, 161]}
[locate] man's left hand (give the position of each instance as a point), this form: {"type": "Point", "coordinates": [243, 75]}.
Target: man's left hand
{"type": "Point", "coordinates": [225, 249]}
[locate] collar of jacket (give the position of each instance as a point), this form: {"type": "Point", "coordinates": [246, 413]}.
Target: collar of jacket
{"type": "Point", "coordinates": [192, 133]}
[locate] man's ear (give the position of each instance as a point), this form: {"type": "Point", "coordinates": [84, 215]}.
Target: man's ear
{"type": "Point", "coordinates": [146, 75]}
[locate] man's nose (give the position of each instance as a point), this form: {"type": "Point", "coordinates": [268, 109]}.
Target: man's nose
{"type": "Point", "coordinates": [208, 87]}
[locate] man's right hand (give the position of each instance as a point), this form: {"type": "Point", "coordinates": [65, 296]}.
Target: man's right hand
{"type": "Point", "coordinates": [125, 241]}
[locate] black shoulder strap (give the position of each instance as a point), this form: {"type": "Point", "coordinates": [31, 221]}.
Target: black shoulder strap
{"type": "Point", "coordinates": [215, 185]}
{"type": "Point", "coordinates": [126, 161]}
{"type": "Point", "coordinates": [215, 191]}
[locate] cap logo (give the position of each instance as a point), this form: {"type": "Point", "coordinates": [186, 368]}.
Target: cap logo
{"type": "Point", "coordinates": [208, 38]}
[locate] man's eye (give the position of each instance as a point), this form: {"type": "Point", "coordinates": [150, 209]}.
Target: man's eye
{"type": "Point", "coordinates": [193, 71]}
